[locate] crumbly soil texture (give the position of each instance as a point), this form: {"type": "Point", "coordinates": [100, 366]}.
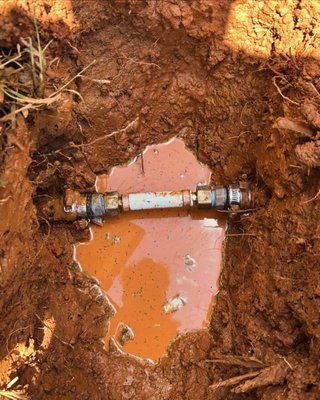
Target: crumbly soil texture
{"type": "Point", "coordinates": [239, 81]}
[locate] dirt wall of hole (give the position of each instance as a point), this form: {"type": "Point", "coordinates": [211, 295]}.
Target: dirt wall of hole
{"type": "Point", "coordinates": [219, 75]}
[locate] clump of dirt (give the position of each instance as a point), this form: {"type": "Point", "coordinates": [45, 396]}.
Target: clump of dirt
{"type": "Point", "coordinates": [219, 75]}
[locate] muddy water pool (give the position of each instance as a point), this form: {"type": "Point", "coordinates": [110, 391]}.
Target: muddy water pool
{"type": "Point", "coordinates": [159, 268]}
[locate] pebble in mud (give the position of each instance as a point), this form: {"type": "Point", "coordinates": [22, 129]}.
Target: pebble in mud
{"type": "Point", "coordinates": [116, 240]}
{"type": "Point", "coordinates": [125, 334]}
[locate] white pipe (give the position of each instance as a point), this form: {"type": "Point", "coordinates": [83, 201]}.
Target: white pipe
{"type": "Point", "coordinates": [155, 200]}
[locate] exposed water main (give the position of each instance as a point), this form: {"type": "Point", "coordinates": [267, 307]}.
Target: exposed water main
{"type": "Point", "coordinates": [75, 205]}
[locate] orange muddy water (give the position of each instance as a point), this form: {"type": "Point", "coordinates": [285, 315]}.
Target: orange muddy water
{"type": "Point", "coordinates": [159, 268]}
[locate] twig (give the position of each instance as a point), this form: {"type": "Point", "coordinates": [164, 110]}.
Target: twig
{"type": "Point", "coordinates": [13, 395]}
{"type": "Point", "coordinates": [279, 90]}
{"type": "Point", "coordinates": [11, 60]}
{"type": "Point", "coordinates": [235, 380]}
{"type": "Point", "coordinates": [241, 234]}
{"type": "Point", "coordinates": [281, 75]}
{"type": "Point", "coordinates": [10, 335]}
{"type": "Point", "coordinates": [288, 364]}
{"type": "Point", "coordinates": [296, 166]}
{"type": "Point", "coordinates": [313, 198]}
{"type": "Point", "coordinates": [67, 157]}
{"type": "Point", "coordinates": [140, 62]}
{"type": "Point", "coordinates": [2, 201]}
{"type": "Point", "coordinates": [141, 155]}
{"type": "Point", "coordinates": [237, 211]}
{"type": "Point", "coordinates": [243, 361]}
{"type": "Point", "coordinates": [50, 329]}
{"type": "Point", "coordinates": [73, 47]}
{"type": "Point", "coordinates": [238, 136]}
{"type": "Point", "coordinates": [44, 242]}
{"type": "Point", "coordinates": [99, 139]}
{"type": "Point", "coordinates": [12, 382]}
{"type": "Point", "coordinates": [313, 87]}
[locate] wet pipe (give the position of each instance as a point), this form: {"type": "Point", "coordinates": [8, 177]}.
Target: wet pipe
{"type": "Point", "coordinates": [75, 205]}
{"type": "Point", "coordinates": [94, 206]}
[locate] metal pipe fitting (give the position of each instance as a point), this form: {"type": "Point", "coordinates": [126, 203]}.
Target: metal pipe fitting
{"type": "Point", "coordinates": [233, 197]}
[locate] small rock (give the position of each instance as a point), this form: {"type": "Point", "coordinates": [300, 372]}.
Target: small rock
{"type": "Point", "coordinates": [81, 224]}
{"type": "Point", "coordinates": [279, 191]}
{"type": "Point", "coordinates": [174, 304]}
{"type": "Point", "coordinates": [125, 334]}
{"type": "Point", "coordinates": [116, 240]}
{"type": "Point", "coordinates": [189, 263]}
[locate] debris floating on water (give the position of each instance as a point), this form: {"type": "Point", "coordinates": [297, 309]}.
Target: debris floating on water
{"type": "Point", "coordinates": [190, 263]}
{"type": "Point", "coordinates": [210, 223]}
{"type": "Point", "coordinates": [116, 239]}
{"type": "Point", "coordinates": [174, 304]}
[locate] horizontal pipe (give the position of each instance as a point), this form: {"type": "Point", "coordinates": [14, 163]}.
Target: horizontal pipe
{"type": "Point", "coordinates": [95, 205]}
{"type": "Point", "coordinates": [155, 200]}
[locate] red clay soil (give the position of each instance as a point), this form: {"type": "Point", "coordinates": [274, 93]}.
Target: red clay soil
{"type": "Point", "coordinates": [219, 74]}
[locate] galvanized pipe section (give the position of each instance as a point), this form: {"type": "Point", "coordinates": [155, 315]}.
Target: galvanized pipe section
{"type": "Point", "coordinates": [155, 200]}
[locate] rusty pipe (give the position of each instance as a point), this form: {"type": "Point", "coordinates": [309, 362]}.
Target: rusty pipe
{"type": "Point", "coordinates": [93, 206]}
{"type": "Point", "coordinates": [155, 200]}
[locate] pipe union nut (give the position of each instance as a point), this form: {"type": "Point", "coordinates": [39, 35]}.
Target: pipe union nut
{"type": "Point", "coordinates": [112, 203]}
{"type": "Point", "coordinates": [204, 196]}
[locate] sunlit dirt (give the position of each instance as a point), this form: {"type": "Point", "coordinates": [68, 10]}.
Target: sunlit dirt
{"type": "Point", "coordinates": [259, 28]}
{"type": "Point", "coordinates": [46, 11]}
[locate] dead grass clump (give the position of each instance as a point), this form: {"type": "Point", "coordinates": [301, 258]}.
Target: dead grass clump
{"type": "Point", "coordinates": [9, 394]}
{"type": "Point", "coordinates": [23, 80]}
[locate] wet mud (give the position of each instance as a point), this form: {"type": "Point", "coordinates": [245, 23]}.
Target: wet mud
{"type": "Point", "coordinates": [159, 268]}
{"type": "Point", "coordinates": [238, 81]}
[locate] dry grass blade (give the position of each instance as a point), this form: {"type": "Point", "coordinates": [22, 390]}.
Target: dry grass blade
{"type": "Point", "coordinates": [30, 100]}
{"type": "Point", "coordinates": [78, 75]}
{"type": "Point", "coordinates": [48, 327]}
{"type": "Point", "coordinates": [234, 381]}
{"type": "Point", "coordinates": [11, 115]}
{"type": "Point", "coordinates": [247, 362]}
{"type": "Point", "coordinates": [132, 125]}
{"type": "Point", "coordinates": [312, 199]}
{"type": "Point", "coordinates": [31, 105]}
{"type": "Point", "coordinates": [13, 59]}
{"type": "Point", "coordinates": [294, 125]}
{"type": "Point", "coordinates": [38, 61]}
{"type": "Point", "coordinates": [9, 394]}
{"type": "Point", "coordinates": [241, 234]}
{"type": "Point", "coordinates": [274, 80]}
{"type": "Point", "coordinates": [273, 375]}
{"type": "Point", "coordinates": [23, 80]}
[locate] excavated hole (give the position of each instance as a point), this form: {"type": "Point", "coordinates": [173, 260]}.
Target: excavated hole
{"type": "Point", "coordinates": [159, 268]}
